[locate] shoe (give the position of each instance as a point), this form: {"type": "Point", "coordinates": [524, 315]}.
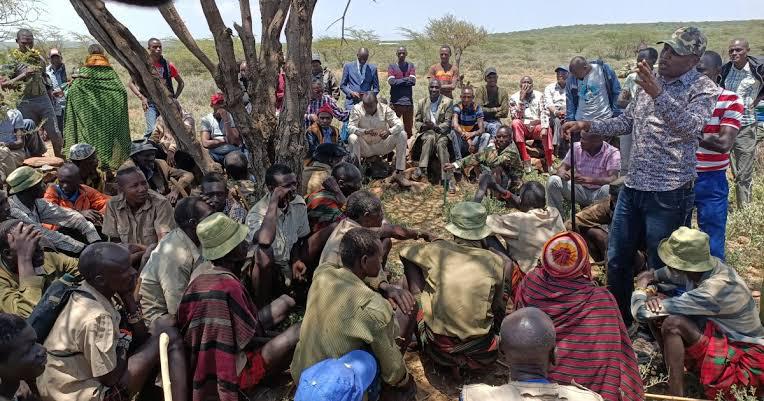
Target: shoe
{"type": "Point", "coordinates": [419, 174]}
{"type": "Point", "coordinates": [452, 189]}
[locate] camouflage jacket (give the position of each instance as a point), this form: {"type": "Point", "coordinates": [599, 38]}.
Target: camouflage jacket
{"type": "Point", "coordinates": [508, 159]}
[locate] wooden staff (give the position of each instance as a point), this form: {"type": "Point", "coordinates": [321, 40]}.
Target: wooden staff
{"type": "Point", "coordinates": [671, 397]}
{"type": "Point", "coordinates": [164, 343]}
{"type": "Point", "coordinates": [572, 183]}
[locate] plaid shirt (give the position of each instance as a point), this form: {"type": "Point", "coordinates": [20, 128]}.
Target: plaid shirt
{"type": "Point", "coordinates": [665, 131]}
{"type": "Point", "coordinates": [597, 165]}
{"type": "Point", "coordinates": [747, 87]}
{"type": "Point", "coordinates": [47, 213]}
{"type": "Point", "coordinates": [315, 104]}
{"type": "Point", "coordinates": [235, 211]}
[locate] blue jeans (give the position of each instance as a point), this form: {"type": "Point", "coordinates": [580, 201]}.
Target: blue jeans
{"type": "Point", "coordinates": [151, 119]}
{"type": "Point", "coordinates": [218, 154]}
{"type": "Point", "coordinates": [641, 217]}
{"type": "Point", "coordinates": [711, 192]}
{"type": "Point", "coordinates": [492, 126]}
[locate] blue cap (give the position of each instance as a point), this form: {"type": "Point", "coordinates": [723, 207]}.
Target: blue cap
{"type": "Point", "coordinates": [343, 379]}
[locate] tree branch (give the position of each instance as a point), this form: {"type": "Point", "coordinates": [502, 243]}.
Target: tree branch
{"type": "Point", "coordinates": [342, 18]}
{"type": "Point", "coordinates": [245, 33]}
{"type": "Point", "coordinates": [178, 26]}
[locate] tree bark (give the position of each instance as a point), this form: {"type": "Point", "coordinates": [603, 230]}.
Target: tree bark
{"type": "Point", "coordinates": [299, 34]}
{"type": "Point", "coordinates": [175, 21]}
{"type": "Point", "coordinates": [123, 46]}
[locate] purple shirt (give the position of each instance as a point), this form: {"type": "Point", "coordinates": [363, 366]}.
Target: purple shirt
{"type": "Point", "coordinates": [597, 165]}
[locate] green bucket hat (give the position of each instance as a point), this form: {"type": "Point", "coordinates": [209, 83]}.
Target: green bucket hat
{"type": "Point", "coordinates": [23, 178]}
{"type": "Point", "coordinates": [687, 250]}
{"type": "Point", "coordinates": [468, 221]}
{"type": "Point", "coordinates": [687, 40]}
{"type": "Point", "coordinates": [219, 235]}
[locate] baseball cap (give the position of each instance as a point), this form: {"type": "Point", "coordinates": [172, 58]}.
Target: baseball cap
{"type": "Point", "coordinates": [54, 52]}
{"type": "Point", "coordinates": [561, 67]}
{"type": "Point", "coordinates": [687, 40]}
{"type": "Point", "coordinates": [489, 71]}
{"type": "Point", "coordinates": [343, 379]}
{"type": "Point", "coordinates": [316, 57]}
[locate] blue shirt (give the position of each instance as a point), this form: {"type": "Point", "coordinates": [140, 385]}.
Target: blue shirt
{"type": "Point", "coordinates": [468, 116]}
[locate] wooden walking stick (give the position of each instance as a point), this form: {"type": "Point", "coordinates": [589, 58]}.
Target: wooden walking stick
{"type": "Point", "coordinates": [164, 343]}
{"type": "Point", "coordinates": [572, 183]}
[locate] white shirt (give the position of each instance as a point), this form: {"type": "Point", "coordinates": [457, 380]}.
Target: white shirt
{"type": "Point", "coordinates": [593, 100]}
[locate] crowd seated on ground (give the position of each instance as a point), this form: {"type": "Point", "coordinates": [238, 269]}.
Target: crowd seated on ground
{"type": "Point", "coordinates": [110, 250]}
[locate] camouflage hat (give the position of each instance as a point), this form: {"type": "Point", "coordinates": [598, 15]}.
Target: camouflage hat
{"type": "Point", "coordinates": [686, 41]}
{"type": "Point", "coordinates": [81, 151]}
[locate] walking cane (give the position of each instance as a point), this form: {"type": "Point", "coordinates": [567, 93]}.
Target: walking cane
{"type": "Point", "coordinates": [572, 183]}
{"type": "Point", "coordinates": [164, 343]}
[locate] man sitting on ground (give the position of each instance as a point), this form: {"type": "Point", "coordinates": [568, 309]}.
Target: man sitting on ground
{"type": "Point", "coordinates": [501, 160]}
{"type": "Point", "coordinates": [711, 323]}
{"type": "Point", "coordinates": [169, 182]}
{"type": "Point", "coordinates": [220, 323]}
{"type": "Point", "coordinates": [349, 377]}
{"type": "Point", "coordinates": [467, 124]}
{"type": "Point", "coordinates": [526, 230]}
{"type": "Point", "coordinates": [219, 133]}
{"type": "Point", "coordinates": [318, 101]}
{"type": "Point", "coordinates": [530, 121]}
{"type": "Point", "coordinates": [89, 357]}
{"type": "Point", "coordinates": [376, 131]}
{"type": "Point", "coordinates": [593, 222]}
{"type": "Point", "coordinates": [321, 131]}
{"type": "Point", "coordinates": [460, 287]}
{"type": "Point", "coordinates": [84, 156]}
{"type": "Point", "coordinates": [493, 100]}
{"type": "Point", "coordinates": [326, 205]}
{"type": "Point", "coordinates": [169, 267]}
{"type": "Point", "coordinates": [215, 193]}
{"type": "Point", "coordinates": [433, 126]}
{"type": "Point", "coordinates": [138, 215]}
{"type": "Point", "coordinates": [26, 269]}
{"type": "Point", "coordinates": [597, 165]}
{"type": "Point", "coordinates": [242, 183]}
{"type": "Point", "coordinates": [12, 151]}
{"type": "Point", "coordinates": [26, 189]}
{"type": "Point", "coordinates": [528, 345]}
{"type": "Point", "coordinates": [344, 315]}
{"type": "Point", "coordinates": [71, 193]}
{"type": "Point", "coordinates": [324, 159]}
{"type": "Point", "coordinates": [22, 358]}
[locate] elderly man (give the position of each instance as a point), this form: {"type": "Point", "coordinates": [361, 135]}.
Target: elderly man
{"type": "Point", "coordinates": [665, 119]}
{"type": "Point", "coordinates": [26, 189]}
{"type": "Point", "coordinates": [554, 102]}
{"type": "Point", "coordinates": [375, 130]}
{"type": "Point", "coordinates": [359, 78]}
{"type": "Point", "coordinates": [57, 73]}
{"type": "Point", "coordinates": [433, 126]}
{"type": "Point", "coordinates": [164, 71]}
{"type": "Point", "coordinates": [530, 121]}
{"type": "Point", "coordinates": [325, 75]}
{"type": "Point", "coordinates": [744, 75]}
{"type": "Point", "coordinates": [36, 96]}
{"type": "Point", "coordinates": [138, 215]}
{"type": "Point", "coordinates": [344, 315]}
{"type": "Point", "coordinates": [321, 101]}
{"type": "Point", "coordinates": [597, 165]}
{"type": "Point", "coordinates": [402, 77]}
{"type": "Point", "coordinates": [169, 267]}
{"type": "Point", "coordinates": [71, 193]}
{"type": "Point", "coordinates": [325, 206]}
{"type": "Point", "coordinates": [27, 268]}
{"type": "Point", "coordinates": [711, 187]}
{"type": "Point", "coordinates": [89, 357]}
{"type": "Point", "coordinates": [445, 72]}
{"type": "Point", "coordinates": [460, 285]}
{"type": "Point", "coordinates": [493, 100]}
{"type": "Point", "coordinates": [528, 344]}
{"type": "Point", "coordinates": [219, 133]}
{"type": "Point", "coordinates": [168, 181]}
{"type": "Point", "coordinates": [226, 356]}
{"type": "Point", "coordinates": [711, 323]}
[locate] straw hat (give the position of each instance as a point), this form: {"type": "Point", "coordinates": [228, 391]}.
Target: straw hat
{"type": "Point", "coordinates": [23, 178]}
{"type": "Point", "coordinates": [687, 250]}
{"type": "Point", "coordinates": [219, 235]}
{"type": "Point", "coordinates": [468, 221]}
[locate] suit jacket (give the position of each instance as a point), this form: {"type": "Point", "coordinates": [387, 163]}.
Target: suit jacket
{"type": "Point", "coordinates": [352, 81]}
{"type": "Point", "coordinates": [443, 119]}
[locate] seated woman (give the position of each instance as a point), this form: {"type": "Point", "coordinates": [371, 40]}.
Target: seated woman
{"type": "Point", "coordinates": [219, 133]}
{"type": "Point", "coordinates": [593, 347]}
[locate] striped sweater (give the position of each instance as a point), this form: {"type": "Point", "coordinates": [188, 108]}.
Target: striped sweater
{"type": "Point", "coordinates": [727, 112]}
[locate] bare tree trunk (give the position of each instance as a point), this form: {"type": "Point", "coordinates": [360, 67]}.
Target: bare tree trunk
{"type": "Point", "coordinates": [122, 45]}
{"type": "Point", "coordinates": [458, 55]}
{"type": "Point", "coordinates": [290, 148]}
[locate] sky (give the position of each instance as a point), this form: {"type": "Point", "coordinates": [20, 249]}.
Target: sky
{"type": "Point", "coordinates": [386, 16]}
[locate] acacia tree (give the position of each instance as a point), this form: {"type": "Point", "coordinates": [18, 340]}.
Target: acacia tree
{"type": "Point", "coordinates": [260, 129]}
{"type": "Point", "coordinates": [459, 34]}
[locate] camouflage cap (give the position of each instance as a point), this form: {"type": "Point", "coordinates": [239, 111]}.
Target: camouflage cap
{"type": "Point", "coordinates": [686, 41]}
{"type": "Point", "coordinates": [81, 151]}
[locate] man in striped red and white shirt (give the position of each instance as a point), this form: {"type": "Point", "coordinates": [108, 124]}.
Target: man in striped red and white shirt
{"type": "Point", "coordinates": [711, 188]}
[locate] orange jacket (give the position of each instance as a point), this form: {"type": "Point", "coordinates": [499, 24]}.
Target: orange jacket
{"type": "Point", "coordinates": [89, 199]}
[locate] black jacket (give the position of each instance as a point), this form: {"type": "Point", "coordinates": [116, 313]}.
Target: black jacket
{"type": "Point", "coordinates": [757, 70]}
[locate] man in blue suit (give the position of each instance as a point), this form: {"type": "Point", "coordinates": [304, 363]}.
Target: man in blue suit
{"type": "Point", "coordinates": [358, 78]}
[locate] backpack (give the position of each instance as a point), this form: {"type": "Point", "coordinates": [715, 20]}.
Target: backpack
{"type": "Point", "coordinates": [51, 304]}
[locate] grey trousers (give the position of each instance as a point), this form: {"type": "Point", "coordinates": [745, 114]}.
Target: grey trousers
{"type": "Point", "coordinates": [40, 108]}
{"type": "Point", "coordinates": [557, 189]}
{"type": "Point", "coordinates": [744, 153]}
